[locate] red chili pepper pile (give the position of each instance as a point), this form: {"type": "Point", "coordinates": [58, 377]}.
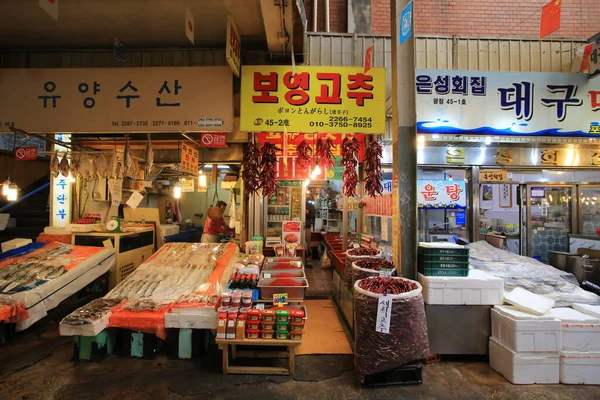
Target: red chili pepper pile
{"type": "Point", "coordinates": [325, 153]}
{"type": "Point", "coordinates": [374, 264]}
{"type": "Point", "coordinates": [268, 168]}
{"type": "Point", "coordinates": [374, 175]}
{"type": "Point", "coordinates": [285, 282]}
{"type": "Point", "coordinates": [251, 169]}
{"type": "Point", "coordinates": [305, 154]}
{"type": "Point", "coordinates": [363, 251]}
{"type": "Point", "coordinates": [350, 149]}
{"type": "Point", "coordinates": [387, 285]}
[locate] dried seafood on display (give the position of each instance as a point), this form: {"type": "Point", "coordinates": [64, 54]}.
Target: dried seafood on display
{"type": "Point", "coordinates": [350, 149]}
{"type": "Point", "coordinates": [374, 175]}
{"type": "Point", "coordinates": [101, 166]}
{"type": "Point", "coordinates": [268, 169]}
{"type": "Point", "coordinates": [84, 167]}
{"type": "Point", "coordinates": [54, 165]}
{"type": "Point", "coordinates": [91, 312]}
{"type": "Point", "coordinates": [63, 165]}
{"type": "Point", "coordinates": [251, 169]}
{"type": "Point", "coordinates": [127, 160]}
{"type": "Point", "coordinates": [305, 155]}
{"type": "Point", "coordinates": [324, 153]}
{"type": "Point", "coordinates": [149, 162]}
{"type": "Point", "coordinates": [74, 168]}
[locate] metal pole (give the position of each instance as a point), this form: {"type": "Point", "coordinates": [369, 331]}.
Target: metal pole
{"type": "Point", "coordinates": [326, 15]}
{"type": "Point", "coordinates": [315, 14]}
{"type": "Point", "coordinates": [404, 143]}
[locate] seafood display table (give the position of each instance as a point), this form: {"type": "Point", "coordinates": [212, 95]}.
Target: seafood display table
{"type": "Point", "coordinates": [34, 282]}
{"type": "Point", "coordinates": [230, 345]}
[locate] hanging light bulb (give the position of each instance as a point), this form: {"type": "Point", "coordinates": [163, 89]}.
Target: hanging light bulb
{"type": "Point", "coordinates": [5, 187]}
{"type": "Point", "coordinates": [177, 191]}
{"type": "Point", "coordinates": [202, 181]}
{"type": "Point", "coordinates": [13, 192]}
{"type": "Point", "coordinates": [316, 172]}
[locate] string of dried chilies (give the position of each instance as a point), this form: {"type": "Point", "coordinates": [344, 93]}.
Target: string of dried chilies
{"type": "Point", "coordinates": [374, 175]}
{"type": "Point", "coordinates": [350, 149]}
{"type": "Point", "coordinates": [268, 169]}
{"type": "Point", "coordinates": [325, 153]}
{"type": "Point", "coordinates": [305, 155]}
{"type": "Point", "coordinates": [251, 169]}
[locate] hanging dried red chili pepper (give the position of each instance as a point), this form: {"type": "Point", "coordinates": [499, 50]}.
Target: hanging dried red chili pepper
{"type": "Point", "coordinates": [305, 155]}
{"type": "Point", "coordinates": [374, 175]}
{"type": "Point", "coordinates": [268, 169]}
{"type": "Point", "coordinates": [325, 153]}
{"type": "Point", "coordinates": [251, 169]}
{"type": "Point", "coordinates": [350, 149]}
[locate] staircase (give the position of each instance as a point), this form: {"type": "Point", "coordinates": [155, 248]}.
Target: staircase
{"type": "Point", "coordinates": [32, 213]}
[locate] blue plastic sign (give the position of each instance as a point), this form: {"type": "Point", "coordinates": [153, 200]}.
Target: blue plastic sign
{"type": "Point", "coordinates": [461, 218]}
{"type": "Point", "coordinates": [406, 23]}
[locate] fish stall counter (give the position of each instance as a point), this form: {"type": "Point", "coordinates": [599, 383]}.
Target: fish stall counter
{"type": "Point", "coordinates": [132, 248]}
{"type": "Point", "coordinates": [36, 278]}
{"type": "Point", "coordinates": [177, 278]}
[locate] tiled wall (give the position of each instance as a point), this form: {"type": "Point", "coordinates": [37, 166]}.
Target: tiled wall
{"type": "Point", "coordinates": [550, 239]}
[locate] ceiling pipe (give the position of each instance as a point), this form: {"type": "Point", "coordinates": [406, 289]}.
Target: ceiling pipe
{"type": "Point", "coordinates": [326, 15]}
{"type": "Point", "coordinates": [315, 14]}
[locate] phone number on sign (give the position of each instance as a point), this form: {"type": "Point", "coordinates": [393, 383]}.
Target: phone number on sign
{"type": "Point", "coordinates": [152, 123]}
{"type": "Point", "coordinates": [344, 122]}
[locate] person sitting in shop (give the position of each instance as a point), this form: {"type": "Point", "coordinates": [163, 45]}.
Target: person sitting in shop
{"type": "Point", "coordinates": [215, 225]}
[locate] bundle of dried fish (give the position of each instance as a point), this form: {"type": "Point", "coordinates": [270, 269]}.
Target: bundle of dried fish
{"type": "Point", "coordinates": [7, 301]}
{"type": "Point", "coordinates": [127, 161]}
{"type": "Point", "coordinates": [54, 165]}
{"type": "Point", "coordinates": [91, 312]}
{"type": "Point", "coordinates": [142, 304]}
{"type": "Point", "coordinates": [101, 166]}
{"type": "Point", "coordinates": [149, 162]}
{"type": "Point", "coordinates": [63, 166]}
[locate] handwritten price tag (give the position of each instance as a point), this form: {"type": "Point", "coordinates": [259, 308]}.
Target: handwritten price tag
{"type": "Point", "coordinates": [384, 314]}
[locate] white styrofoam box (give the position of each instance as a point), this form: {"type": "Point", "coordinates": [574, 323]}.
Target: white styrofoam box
{"type": "Point", "coordinates": [168, 229]}
{"type": "Point", "coordinates": [14, 244]}
{"type": "Point", "coordinates": [588, 309]}
{"type": "Point", "coordinates": [192, 318]}
{"type": "Point", "coordinates": [580, 368]}
{"type": "Point", "coordinates": [524, 368]}
{"type": "Point", "coordinates": [479, 288]}
{"type": "Point", "coordinates": [528, 301]}
{"type": "Point", "coordinates": [92, 329]}
{"type": "Point", "coordinates": [581, 332]}
{"type": "Point", "coordinates": [4, 217]}
{"type": "Point", "coordinates": [524, 332]}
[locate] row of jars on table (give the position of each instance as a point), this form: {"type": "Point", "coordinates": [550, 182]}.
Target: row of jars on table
{"type": "Point", "coordinates": [254, 323]}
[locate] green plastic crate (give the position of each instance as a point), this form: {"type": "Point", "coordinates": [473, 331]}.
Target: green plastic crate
{"type": "Point", "coordinates": [444, 271]}
{"type": "Point", "coordinates": [430, 251]}
{"type": "Point", "coordinates": [444, 264]}
{"type": "Point", "coordinates": [443, 258]}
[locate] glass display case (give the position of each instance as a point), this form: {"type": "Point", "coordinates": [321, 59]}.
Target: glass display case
{"type": "Point", "coordinates": [286, 204]}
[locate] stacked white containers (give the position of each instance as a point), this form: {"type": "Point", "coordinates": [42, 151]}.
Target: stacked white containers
{"type": "Point", "coordinates": [525, 348]}
{"type": "Point", "coordinates": [580, 353]}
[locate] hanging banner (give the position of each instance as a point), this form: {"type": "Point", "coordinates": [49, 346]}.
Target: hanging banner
{"type": "Point", "coordinates": [88, 100]}
{"type": "Point", "coordinates": [293, 171]}
{"type": "Point", "coordinates": [233, 49]}
{"type": "Point", "coordinates": [595, 56]}
{"type": "Point", "coordinates": [441, 194]}
{"type": "Point", "coordinates": [189, 159]}
{"type": "Point", "coordinates": [507, 103]}
{"type": "Point", "coordinates": [336, 99]}
{"type": "Point", "coordinates": [213, 139]}
{"type": "Point", "coordinates": [60, 191]}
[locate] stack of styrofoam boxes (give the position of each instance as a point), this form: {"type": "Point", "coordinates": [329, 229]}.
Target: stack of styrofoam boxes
{"type": "Point", "coordinates": [580, 353]}
{"type": "Point", "coordinates": [524, 347]}
{"type": "Point", "coordinates": [479, 288]}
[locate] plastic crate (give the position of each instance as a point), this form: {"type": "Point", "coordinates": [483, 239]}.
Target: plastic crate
{"type": "Point", "coordinates": [438, 251]}
{"type": "Point", "coordinates": [410, 374]}
{"type": "Point", "coordinates": [444, 264]}
{"type": "Point", "coordinates": [444, 271]}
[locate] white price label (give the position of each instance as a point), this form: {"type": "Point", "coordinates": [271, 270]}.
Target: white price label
{"type": "Point", "coordinates": [260, 306]}
{"type": "Point", "coordinates": [385, 273]}
{"type": "Point", "coordinates": [384, 314]}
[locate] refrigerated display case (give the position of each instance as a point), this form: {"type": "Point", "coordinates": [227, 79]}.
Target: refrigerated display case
{"type": "Point", "coordinates": [288, 203]}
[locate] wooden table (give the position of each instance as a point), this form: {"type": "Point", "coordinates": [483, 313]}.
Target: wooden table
{"type": "Point", "coordinates": [228, 369]}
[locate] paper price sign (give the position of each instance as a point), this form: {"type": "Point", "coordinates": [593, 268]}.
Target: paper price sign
{"type": "Point", "coordinates": [280, 299]}
{"type": "Point", "coordinates": [384, 314]}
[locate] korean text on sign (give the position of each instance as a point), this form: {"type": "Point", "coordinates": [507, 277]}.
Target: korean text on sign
{"type": "Point", "coordinates": [333, 99]}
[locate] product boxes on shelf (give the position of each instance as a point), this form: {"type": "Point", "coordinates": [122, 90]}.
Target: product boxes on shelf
{"type": "Point", "coordinates": [524, 332]}
{"type": "Point", "coordinates": [580, 368]}
{"type": "Point", "coordinates": [524, 368]}
{"type": "Point", "coordinates": [478, 288]}
{"type": "Point", "coordinates": [580, 332]}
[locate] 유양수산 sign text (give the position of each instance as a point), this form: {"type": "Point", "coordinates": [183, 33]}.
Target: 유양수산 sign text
{"type": "Point", "coordinates": [441, 194]}
{"type": "Point", "coordinates": [313, 99]}
{"type": "Point", "coordinates": [82, 100]}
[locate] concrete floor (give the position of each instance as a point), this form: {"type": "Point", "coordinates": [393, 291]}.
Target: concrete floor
{"type": "Point", "coordinates": [35, 365]}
